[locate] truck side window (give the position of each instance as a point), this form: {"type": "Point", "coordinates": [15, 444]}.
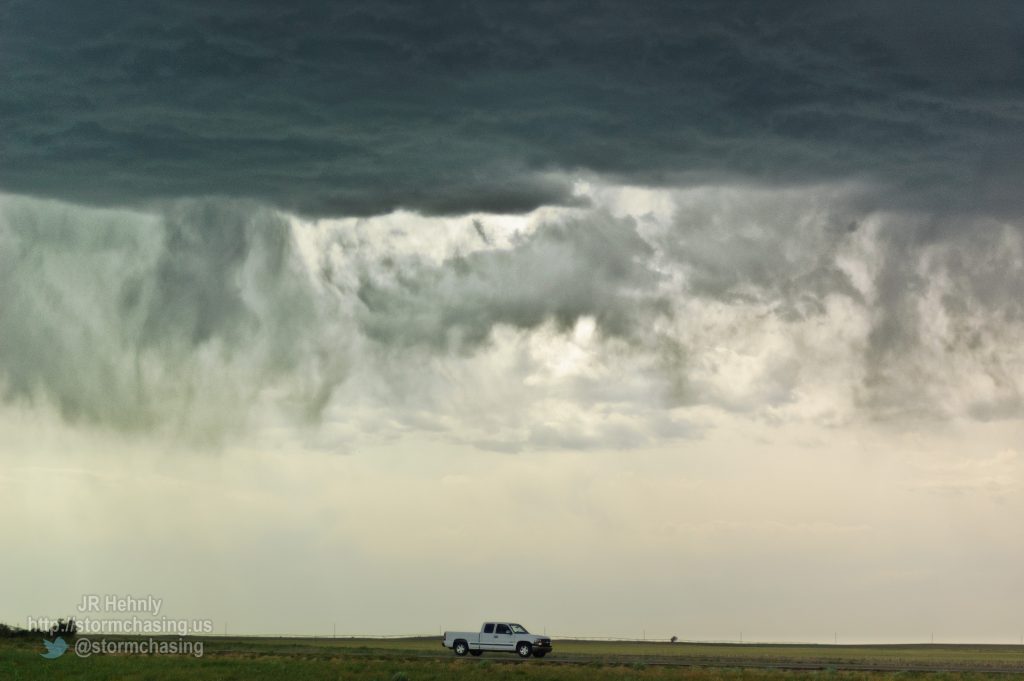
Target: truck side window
{"type": "Point", "coordinates": [489, 628]}
{"type": "Point", "coordinates": [503, 629]}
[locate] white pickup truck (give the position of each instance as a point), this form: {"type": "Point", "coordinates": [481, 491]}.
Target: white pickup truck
{"type": "Point", "coordinates": [502, 636]}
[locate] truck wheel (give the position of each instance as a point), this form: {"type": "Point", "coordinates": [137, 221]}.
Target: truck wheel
{"type": "Point", "coordinates": [539, 654]}
{"type": "Point", "coordinates": [524, 649]}
{"type": "Point", "coordinates": [476, 653]}
{"type": "Point", "coordinates": [461, 648]}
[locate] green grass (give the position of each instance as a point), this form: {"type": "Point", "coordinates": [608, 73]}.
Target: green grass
{"type": "Point", "coordinates": [865, 654]}
{"type": "Point", "coordinates": [911, 655]}
{"type": "Point", "coordinates": [254, 659]}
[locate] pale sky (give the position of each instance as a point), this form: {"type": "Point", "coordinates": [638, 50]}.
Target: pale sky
{"type": "Point", "coordinates": [673, 320]}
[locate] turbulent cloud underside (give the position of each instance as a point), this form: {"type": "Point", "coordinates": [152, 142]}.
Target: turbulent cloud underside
{"type": "Point", "coordinates": [629, 322]}
{"type": "Point", "coordinates": [585, 223]}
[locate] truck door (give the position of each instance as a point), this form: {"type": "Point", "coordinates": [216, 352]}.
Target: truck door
{"type": "Point", "coordinates": [487, 637]}
{"type": "Point", "coordinates": [501, 639]}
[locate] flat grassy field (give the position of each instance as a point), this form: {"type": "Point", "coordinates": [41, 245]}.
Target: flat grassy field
{"type": "Point", "coordinates": [423, 659]}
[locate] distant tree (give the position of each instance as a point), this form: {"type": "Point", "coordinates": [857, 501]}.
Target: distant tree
{"type": "Point", "coordinates": [7, 631]}
{"type": "Point", "coordinates": [673, 639]}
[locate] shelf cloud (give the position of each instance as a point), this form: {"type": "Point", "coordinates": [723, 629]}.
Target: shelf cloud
{"type": "Point", "coordinates": [794, 211]}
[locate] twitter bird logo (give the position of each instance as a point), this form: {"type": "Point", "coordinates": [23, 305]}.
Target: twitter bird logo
{"type": "Point", "coordinates": [55, 649]}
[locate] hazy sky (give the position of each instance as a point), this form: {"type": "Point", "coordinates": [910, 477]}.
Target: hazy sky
{"type": "Point", "coordinates": [685, 318]}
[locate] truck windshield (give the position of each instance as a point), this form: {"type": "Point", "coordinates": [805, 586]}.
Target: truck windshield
{"type": "Point", "coordinates": [518, 629]}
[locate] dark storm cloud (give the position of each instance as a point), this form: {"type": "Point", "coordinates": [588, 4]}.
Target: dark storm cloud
{"type": "Point", "coordinates": [138, 321]}
{"type": "Point", "coordinates": [904, 115]}
{"type": "Point", "coordinates": [345, 108]}
{"type": "Point", "coordinates": [948, 322]}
